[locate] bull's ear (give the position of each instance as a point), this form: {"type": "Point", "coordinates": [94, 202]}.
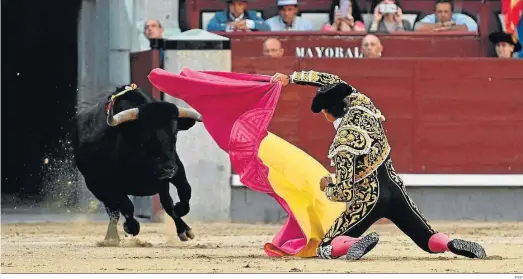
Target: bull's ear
{"type": "Point", "coordinates": [185, 123]}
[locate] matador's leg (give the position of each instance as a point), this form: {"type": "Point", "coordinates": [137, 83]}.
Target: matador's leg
{"type": "Point", "coordinates": [365, 210]}
{"type": "Point", "coordinates": [406, 216]}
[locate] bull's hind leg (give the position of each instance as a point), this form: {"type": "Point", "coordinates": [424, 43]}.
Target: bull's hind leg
{"type": "Point", "coordinates": [112, 232]}
{"type": "Point", "coordinates": [182, 229]}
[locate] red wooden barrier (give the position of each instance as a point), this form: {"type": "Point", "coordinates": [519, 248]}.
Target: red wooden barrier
{"type": "Point", "coordinates": [443, 115]}
{"type": "Point", "coordinates": [303, 44]}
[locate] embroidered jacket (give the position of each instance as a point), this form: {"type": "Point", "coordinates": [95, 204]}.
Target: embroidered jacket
{"type": "Point", "coordinates": [360, 145]}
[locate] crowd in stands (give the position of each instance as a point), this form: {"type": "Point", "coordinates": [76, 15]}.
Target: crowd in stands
{"type": "Point", "coordinates": [346, 15]}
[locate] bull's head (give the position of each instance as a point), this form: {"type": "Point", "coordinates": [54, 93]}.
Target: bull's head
{"type": "Point", "coordinates": [133, 113]}
{"type": "Point", "coordinates": [147, 130]}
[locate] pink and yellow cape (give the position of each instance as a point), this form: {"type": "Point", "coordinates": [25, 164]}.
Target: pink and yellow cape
{"type": "Point", "coordinates": [236, 110]}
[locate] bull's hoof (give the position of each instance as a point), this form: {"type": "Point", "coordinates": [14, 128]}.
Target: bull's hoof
{"type": "Point", "coordinates": [183, 237]}
{"type": "Point", "coordinates": [190, 234]}
{"type": "Point", "coordinates": [112, 238]}
{"type": "Point", "coordinates": [132, 227]}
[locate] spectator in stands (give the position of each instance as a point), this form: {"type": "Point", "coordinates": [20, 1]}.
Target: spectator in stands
{"type": "Point", "coordinates": [445, 19]}
{"type": "Point", "coordinates": [288, 19]}
{"type": "Point", "coordinates": [237, 18]}
{"type": "Point", "coordinates": [338, 22]}
{"type": "Point", "coordinates": [153, 29]}
{"type": "Point", "coordinates": [371, 46]}
{"type": "Point", "coordinates": [506, 46]}
{"type": "Point", "coordinates": [272, 48]}
{"type": "Point", "coordinates": [388, 18]}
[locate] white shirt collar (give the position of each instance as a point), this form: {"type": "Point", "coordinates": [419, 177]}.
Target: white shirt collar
{"type": "Point", "coordinates": [287, 27]}
{"type": "Point", "coordinates": [337, 123]}
{"type": "Point", "coordinates": [236, 18]}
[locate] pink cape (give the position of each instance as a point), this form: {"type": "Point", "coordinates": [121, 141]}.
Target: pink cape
{"type": "Point", "coordinates": [236, 110]}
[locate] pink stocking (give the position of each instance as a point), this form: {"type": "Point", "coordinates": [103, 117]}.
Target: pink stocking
{"type": "Point", "coordinates": [438, 243]}
{"type": "Point", "coordinates": [341, 244]}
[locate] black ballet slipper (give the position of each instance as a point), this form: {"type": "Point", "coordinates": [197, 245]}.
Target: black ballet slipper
{"type": "Point", "coordinates": [363, 246]}
{"type": "Point", "coordinates": [467, 249]}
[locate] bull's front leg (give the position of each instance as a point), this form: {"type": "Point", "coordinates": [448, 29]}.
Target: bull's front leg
{"type": "Point", "coordinates": [184, 189]}
{"type": "Point", "coordinates": [126, 207]}
{"type": "Point", "coordinates": [182, 229]}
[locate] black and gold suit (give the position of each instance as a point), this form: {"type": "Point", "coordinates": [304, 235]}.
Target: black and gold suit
{"type": "Point", "coordinates": [365, 177]}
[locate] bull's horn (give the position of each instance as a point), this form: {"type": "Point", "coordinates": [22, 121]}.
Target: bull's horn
{"type": "Point", "coordinates": [123, 116]}
{"type": "Point", "coordinates": [189, 113]}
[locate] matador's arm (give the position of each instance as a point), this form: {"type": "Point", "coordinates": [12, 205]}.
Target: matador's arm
{"type": "Point", "coordinates": [314, 78]}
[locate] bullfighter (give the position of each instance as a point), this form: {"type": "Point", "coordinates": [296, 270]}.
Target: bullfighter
{"type": "Point", "coordinates": [365, 177]}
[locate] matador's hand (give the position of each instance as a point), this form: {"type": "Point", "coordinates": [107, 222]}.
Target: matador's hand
{"type": "Point", "coordinates": [281, 77]}
{"type": "Point", "coordinates": [325, 181]}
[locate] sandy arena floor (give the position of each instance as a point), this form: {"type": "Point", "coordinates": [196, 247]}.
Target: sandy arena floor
{"type": "Point", "coordinates": [236, 248]}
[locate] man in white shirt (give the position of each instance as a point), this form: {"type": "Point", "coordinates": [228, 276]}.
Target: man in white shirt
{"type": "Point", "coordinates": [445, 19]}
{"type": "Point", "coordinates": [288, 20]}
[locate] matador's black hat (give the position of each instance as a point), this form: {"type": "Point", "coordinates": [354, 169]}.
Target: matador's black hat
{"type": "Point", "coordinates": [498, 37]}
{"type": "Point", "coordinates": [330, 97]}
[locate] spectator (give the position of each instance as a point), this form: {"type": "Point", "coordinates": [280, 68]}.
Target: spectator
{"type": "Point", "coordinates": [272, 48]}
{"type": "Point", "coordinates": [388, 21]}
{"type": "Point", "coordinates": [505, 44]}
{"type": "Point", "coordinates": [371, 46]}
{"type": "Point", "coordinates": [445, 19]}
{"type": "Point", "coordinates": [288, 19]}
{"type": "Point", "coordinates": [352, 22]}
{"type": "Point", "coordinates": [237, 18]}
{"type": "Point", "coordinates": [153, 29]}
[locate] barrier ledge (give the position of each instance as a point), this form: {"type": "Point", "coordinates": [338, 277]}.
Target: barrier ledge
{"type": "Point", "coordinates": [234, 35]}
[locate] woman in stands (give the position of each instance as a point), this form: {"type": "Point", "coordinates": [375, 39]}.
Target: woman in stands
{"type": "Point", "coordinates": [348, 19]}
{"type": "Point", "coordinates": [388, 18]}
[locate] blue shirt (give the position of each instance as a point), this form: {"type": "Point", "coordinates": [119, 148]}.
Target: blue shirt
{"type": "Point", "coordinates": [299, 24]}
{"type": "Point", "coordinates": [458, 18]}
{"type": "Point", "coordinates": [220, 19]}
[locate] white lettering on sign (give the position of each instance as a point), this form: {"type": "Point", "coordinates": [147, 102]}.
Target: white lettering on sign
{"type": "Point", "coordinates": [328, 52]}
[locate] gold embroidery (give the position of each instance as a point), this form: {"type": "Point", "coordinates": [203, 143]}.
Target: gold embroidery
{"type": "Point", "coordinates": [343, 190]}
{"type": "Point", "coordinates": [351, 139]}
{"type": "Point", "coordinates": [315, 78]}
{"type": "Point", "coordinates": [360, 133]}
{"type": "Point", "coordinates": [365, 198]}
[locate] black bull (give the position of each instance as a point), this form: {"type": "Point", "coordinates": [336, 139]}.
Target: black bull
{"type": "Point", "coordinates": [125, 144]}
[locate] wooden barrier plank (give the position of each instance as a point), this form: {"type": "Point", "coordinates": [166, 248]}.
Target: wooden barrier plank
{"type": "Point", "coordinates": [421, 104]}
{"type": "Point", "coordinates": [348, 44]}
{"type": "Point", "coordinates": [482, 68]}
{"type": "Point", "coordinates": [470, 147]}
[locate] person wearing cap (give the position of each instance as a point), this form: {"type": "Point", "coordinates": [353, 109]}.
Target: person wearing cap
{"type": "Point", "coordinates": [365, 177]}
{"type": "Point", "coordinates": [237, 18]}
{"type": "Point", "coordinates": [506, 45]}
{"type": "Point", "coordinates": [288, 19]}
